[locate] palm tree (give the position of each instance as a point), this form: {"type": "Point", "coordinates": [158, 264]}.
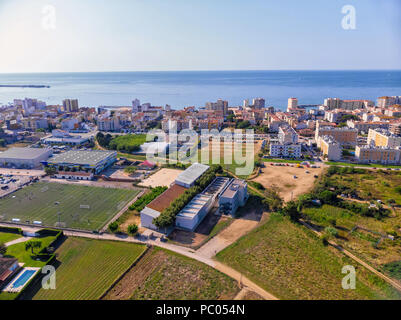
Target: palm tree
{"type": "Point", "coordinates": [32, 245]}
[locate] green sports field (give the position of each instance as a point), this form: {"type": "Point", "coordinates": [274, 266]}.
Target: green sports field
{"type": "Point", "coordinates": [65, 205]}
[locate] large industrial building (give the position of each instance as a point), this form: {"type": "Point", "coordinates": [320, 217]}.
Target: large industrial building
{"type": "Point", "coordinates": [24, 158]}
{"type": "Point", "coordinates": [94, 161]}
{"type": "Point", "coordinates": [194, 212]}
{"type": "Point", "coordinates": [188, 178]}
{"type": "Point", "coordinates": [197, 209]}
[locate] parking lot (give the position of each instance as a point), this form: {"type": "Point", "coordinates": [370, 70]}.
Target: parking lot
{"type": "Point", "coordinates": [9, 183]}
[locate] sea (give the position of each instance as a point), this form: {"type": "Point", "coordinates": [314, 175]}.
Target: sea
{"type": "Point", "coordinates": [194, 88]}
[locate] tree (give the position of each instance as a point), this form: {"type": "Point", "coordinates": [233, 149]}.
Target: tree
{"type": "Point", "coordinates": [3, 249]}
{"type": "Point", "coordinates": [50, 171]}
{"type": "Point", "coordinates": [133, 229]}
{"type": "Point", "coordinates": [33, 244]}
{"type": "Point", "coordinates": [113, 227]}
{"type": "Point", "coordinates": [292, 210]}
{"type": "Point", "coordinates": [328, 197]}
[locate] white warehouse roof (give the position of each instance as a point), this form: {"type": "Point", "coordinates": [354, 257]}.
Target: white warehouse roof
{"type": "Point", "coordinates": [24, 153]}
{"type": "Point", "coordinates": [189, 176]}
{"type": "Point", "coordinates": [194, 206]}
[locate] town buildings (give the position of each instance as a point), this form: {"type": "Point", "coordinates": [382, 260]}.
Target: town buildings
{"type": "Point", "coordinates": [373, 154]}
{"type": "Point", "coordinates": [330, 148]}
{"type": "Point", "coordinates": [383, 138]}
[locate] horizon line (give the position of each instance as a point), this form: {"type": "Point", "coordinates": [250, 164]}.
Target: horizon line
{"type": "Point", "coordinates": [198, 70]}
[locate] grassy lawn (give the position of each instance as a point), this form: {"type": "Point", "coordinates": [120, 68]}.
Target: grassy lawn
{"type": "Point", "coordinates": [7, 237]}
{"type": "Point", "coordinates": [372, 165]}
{"type": "Point", "coordinates": [176, 277]}
{"type": "Point", "coordinates": [289, 261]}
{"type": "Point", "coordinates": [287, 161]}
{"type": "Point", "coordinates": [127, 143]}
{"type": "Point", "coordinates": [25, 256]}
{"type": "Point", "coordinates": [89, 267]}
{"type": "Point", "coordinates": [42, 201]}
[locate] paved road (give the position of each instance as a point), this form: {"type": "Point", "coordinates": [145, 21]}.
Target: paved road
{"type": "Point", "coordinates": [175, 248]}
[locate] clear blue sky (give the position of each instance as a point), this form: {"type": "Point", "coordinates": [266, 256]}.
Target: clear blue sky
{"type": "Point", "coordinates": [137, 35]}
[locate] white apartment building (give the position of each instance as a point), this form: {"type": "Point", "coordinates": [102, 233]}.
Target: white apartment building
{"type": "Point", "coordinates": [287, 135]}
{"type": "Point", "coordinates": [109, 124]}
{"type": "Point", "coordinates": [285, 150]}
{"type": "Point", "coordinates": [330, 148]}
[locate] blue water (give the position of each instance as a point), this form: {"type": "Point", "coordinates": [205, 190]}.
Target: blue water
{"type": "Point", "coordinates": [194, 88]}
{"type": "Point", "coordinates": [23, 279]}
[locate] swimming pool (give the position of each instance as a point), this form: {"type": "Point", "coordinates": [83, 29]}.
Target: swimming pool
{"type": "Point", "coordinates": [23, 278]}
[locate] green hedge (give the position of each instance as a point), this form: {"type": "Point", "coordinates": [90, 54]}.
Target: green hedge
{"type": "Point", "coordinates": [143, 201]}
{"type": "Point", "coordinates": [11, 230]}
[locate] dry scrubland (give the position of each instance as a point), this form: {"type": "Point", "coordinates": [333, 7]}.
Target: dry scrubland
{"type": "Point", "coordinates": [291, 262]}
{"type": "Point", "coordinates": [370, 185]}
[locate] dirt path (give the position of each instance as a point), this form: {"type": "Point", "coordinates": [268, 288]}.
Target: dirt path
{"type": "Point", "coordinates": [232, 233]}
{"type": "Point", "coordinates": [178, 249]}
{"type": "Point", "coordinates": [244, 281]}
{"type": "Point", "coordinates": [19, 240]}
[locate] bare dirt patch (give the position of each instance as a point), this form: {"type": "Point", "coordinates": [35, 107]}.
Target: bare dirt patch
{"type": "Point", "coordinates": [283, 179]}
{"type": "Point", "coordinates": [163, 177]}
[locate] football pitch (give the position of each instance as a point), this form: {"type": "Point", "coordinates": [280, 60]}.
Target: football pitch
{"type": "Point", "coordinates": [65, 205]}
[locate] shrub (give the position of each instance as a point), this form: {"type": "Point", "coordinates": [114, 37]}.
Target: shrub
{"type": "Point", "coordinates": [113, 227]}
{"type": "Point", "coordinates": [133, 229]}
{"type": "Point", "coordinates": [3, 249]}
{"type": "Point", "coordinates": [331, 232]}
{"type": "Point", "coordinates": [143, 201]}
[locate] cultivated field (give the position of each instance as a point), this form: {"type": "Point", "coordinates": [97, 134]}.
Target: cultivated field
{"type": "Point", "coordinates": [87, 268]}
{"type": "Point", "coordinates": [162, 274]}
{"type": "Point", "coordinates": [163, 177]}
{"type": "Point", "coordinates": [80, 207]}
{"type": "Point", "coordinates": [289, 261]}
{"type": "Point", "coordinates": [283, 179]}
